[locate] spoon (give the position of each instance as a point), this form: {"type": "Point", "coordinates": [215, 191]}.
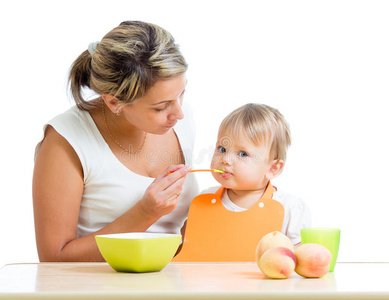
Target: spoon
{"type": "Point", "coordinates": [208, 170]}
{"type": "Point", "coordinates": [205, 170]}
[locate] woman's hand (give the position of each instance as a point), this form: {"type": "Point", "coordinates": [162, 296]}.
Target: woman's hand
{"type": "Point", "coordinates": [161, 197]}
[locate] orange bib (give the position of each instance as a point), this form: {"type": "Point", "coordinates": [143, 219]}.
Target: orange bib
{"type": "Point", "coordinates": [216, 234]}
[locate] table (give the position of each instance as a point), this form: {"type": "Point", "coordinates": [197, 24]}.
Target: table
{"type": "Point", "coordinates": [188, 281]}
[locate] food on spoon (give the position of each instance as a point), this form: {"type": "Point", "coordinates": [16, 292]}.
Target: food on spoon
{"type": "Point", "coordinates": [278, 262]}
{"type": "Point", "coordinates": [272, 240]}
{"type": "Point", "coordinates": [313, 260]}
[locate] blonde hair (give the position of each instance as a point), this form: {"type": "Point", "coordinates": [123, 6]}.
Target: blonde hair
{"type": "Point", "coordinates": [261, 124]}
{"type": "Point", "coordinates": [126, 63]}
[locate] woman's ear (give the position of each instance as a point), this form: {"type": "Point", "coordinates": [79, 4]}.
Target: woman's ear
{"type": "Point", "coordinates": [275, 168]}
{"type": "Point", "coordinates": [113, 103]}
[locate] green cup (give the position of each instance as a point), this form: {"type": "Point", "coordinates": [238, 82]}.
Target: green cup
{"type": "Point", "coordinates": [328, 237]}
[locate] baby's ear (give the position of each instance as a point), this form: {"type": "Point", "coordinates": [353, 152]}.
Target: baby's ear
{"type": "Point", "coordinates": [275, 168]}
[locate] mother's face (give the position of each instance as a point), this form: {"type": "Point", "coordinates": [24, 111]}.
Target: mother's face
{"type": "Point", "coordinates": [160, 109]}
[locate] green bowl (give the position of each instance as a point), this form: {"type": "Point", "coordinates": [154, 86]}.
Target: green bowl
{"type": "Point", "coordinates": [138, 251]}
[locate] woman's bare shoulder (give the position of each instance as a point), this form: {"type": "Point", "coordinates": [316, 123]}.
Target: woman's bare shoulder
{"type": "Point", "coordinates": [55, 152]}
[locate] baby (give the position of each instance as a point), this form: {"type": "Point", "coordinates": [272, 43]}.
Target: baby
{"type": "Point", "coordinates": [251, 148]}
{"type": "Point", "coordinates": [225, 223]}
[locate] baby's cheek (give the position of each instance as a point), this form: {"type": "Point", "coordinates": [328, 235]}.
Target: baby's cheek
{"type": "Point", "coordinates": [215, 175]}
{"type": "Point", "coordinates": [215, 161]}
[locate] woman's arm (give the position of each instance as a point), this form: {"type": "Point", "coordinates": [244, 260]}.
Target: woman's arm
{"type": "Point", "coordinates": [57, 191]}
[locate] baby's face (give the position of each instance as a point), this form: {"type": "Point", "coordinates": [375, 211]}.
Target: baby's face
{"type": "Point", "coordinates": [246, 165]}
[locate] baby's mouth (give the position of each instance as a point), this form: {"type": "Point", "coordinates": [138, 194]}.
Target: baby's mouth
{"type": "Point", "coordinates": [226, 174]}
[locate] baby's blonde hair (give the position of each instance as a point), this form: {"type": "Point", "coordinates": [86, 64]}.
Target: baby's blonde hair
{"type": "Point", "coordinates": [263, 125]}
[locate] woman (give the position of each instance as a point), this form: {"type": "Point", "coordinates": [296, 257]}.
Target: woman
{"type": "Point", "coordinates": [115, 163]}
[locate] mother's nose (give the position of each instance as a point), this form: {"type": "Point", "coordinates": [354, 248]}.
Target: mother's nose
{"type": "Point", "coordinates": [176, 112]}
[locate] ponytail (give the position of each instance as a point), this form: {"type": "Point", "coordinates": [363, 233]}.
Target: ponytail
{"type": "Point", "coordinates": [79, 78]}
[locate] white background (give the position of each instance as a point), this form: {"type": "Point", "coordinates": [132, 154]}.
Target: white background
{"type": "Point", "coordinates": [323, 64]}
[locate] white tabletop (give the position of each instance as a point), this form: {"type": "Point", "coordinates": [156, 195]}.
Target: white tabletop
{"type": "Point", "coordinates": [188, 281]}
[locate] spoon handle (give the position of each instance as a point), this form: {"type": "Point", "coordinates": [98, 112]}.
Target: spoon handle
{"type": "Point", "coordinates": [207, 170]}
{"type": "Point", "coordinates": [204, 170]}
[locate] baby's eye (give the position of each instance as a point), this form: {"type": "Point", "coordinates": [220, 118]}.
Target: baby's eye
{"type": "Point", "coordinates": [222, 149]}
{"type": "Point", "coordinates": [243, 154]}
